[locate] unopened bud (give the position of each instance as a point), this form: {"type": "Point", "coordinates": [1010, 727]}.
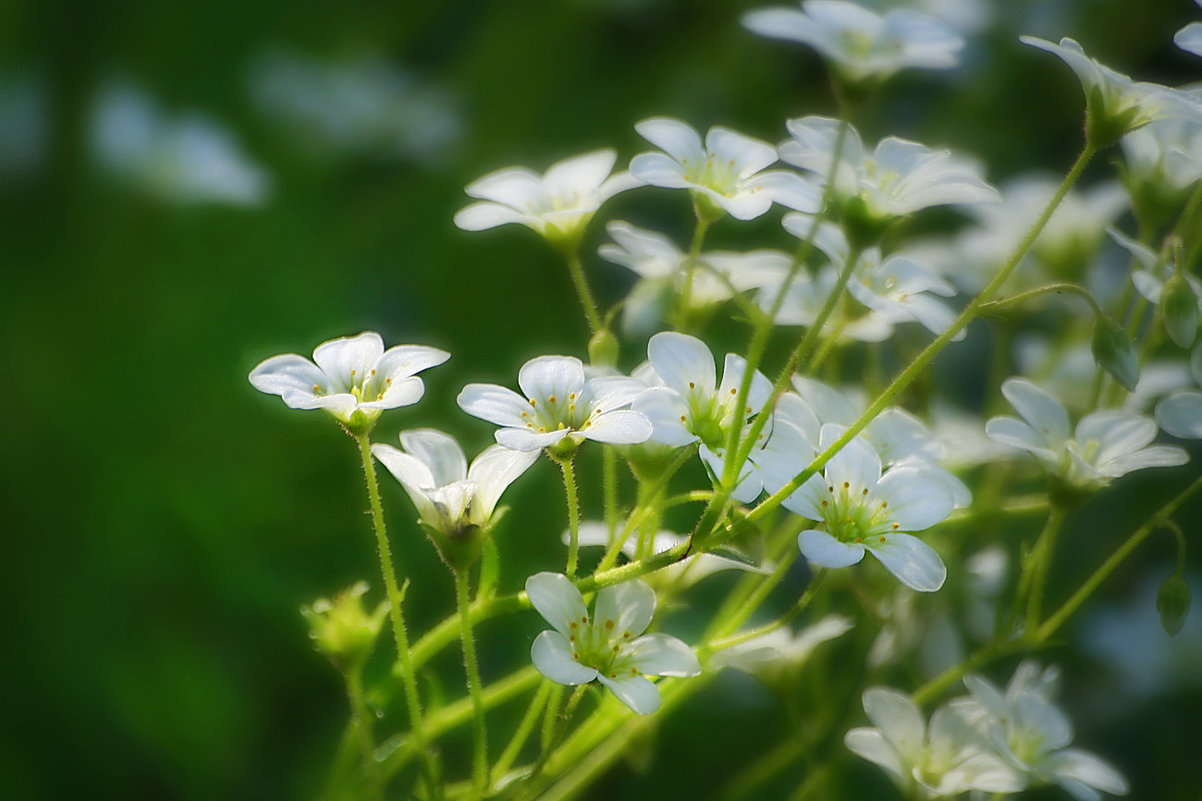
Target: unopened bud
{"type": "Point", "coordinates": [1179, 310]}
{"type": "Point", "coordinates": [1114, 353]}
{"type": "Point", "coordinates": [603, 348]}
{"type": "Point", "coordinates": [1172, 602]}
{"type": "Point", "coordinates": [342, 630]}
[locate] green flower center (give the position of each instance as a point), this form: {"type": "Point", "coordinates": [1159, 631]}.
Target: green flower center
{"type": "Point", "coordinates": [852, 515]}
{"type": "Point", "coordinates": [601, 646]}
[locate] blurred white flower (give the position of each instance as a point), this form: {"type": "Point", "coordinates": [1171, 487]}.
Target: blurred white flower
{"type": "Point", "coordinates": [557, 205]}
{"type": "Point", "coordinates": [1189, 38]}
{"type": "Point", "coordinates": [185, 159]}
{"type": "Point", "coordinates": [1165, 153]}
{"type": "Point", "coordinates": [1105, 444]}
{"type": "Point", "coordinates": [689, 570]}
{"type": "Point", "coordinates": [860, 44]}
{"type": "Point", "coordinates": [948, 757]}
{"type": "Point", "coordinates": [559, 404]}
{"type": "Point", "coordinates": [363, 104]}
{"type": "Point", "coordinates": [605, 647]}
{"type": "Point", "coordinates": [897, 179]}
{"type": "Point", "coordinates": [1180, 414]}
{"type": "Point", "coordinates": [1031, 733]}
{"type": "Point", "coordinates": [780, 648]}
{"type": "Point", "coordinates": [726, 173]}
{"type": "Point", "coordinates": [352, 378]}
{"type": "Point", "coordinates": [449, 495]}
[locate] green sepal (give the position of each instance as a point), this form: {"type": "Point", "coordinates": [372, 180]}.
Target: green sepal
{"type": "Point", "coordinates": [745, 545]}
{"type": "Point", "coordinates": [603, 348]}
{"type": "Point", "coordinates": [1114, 351]}
{"type": "Point", "coordinates": [1179, 310]}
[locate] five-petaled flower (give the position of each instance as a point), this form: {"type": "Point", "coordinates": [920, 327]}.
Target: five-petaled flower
{"type": "Point", "coordinates": [557, 204]}
{"type": "Point", "coordinates": [725, 174]}
{"type": "Point", "coordinates": [561, 405]}
{"type": "Point", "coordinates": [352, 378]}
{"type": "Point", "coordinates": [862, 510]}
{"type": "Point", "coordinates": [606, 646]}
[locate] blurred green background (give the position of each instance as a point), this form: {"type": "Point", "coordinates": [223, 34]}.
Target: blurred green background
{"type": "Point", "coordinates": [164, 521]}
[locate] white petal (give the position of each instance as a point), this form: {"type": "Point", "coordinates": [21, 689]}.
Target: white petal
{"type": "Point", "coordinates": [348, 359]}
{"type": "Point", "coordinates": [1086, 768]}
{"type": "Point", "coordinates": [1116, 432]}
{"type": "Point", "coordinates": [401, 361]}
{"type": "Point", "coordinates": [1017, 434]}
{"type": "Point", "coordinates": [656, 169]}
{"type": "Point", "coordinates": [663, 655]}
{"type": "Point", "coordinates": [682, 362]}
{"type": "Point", "coordinates": [485, 214]}
{"type": "Point", "coordinates": [857, 464]}
{"type": "Point", "coordinates": [620, 427]}
{"type": "Point", "coordinates": [911, 560]}
{"type": "Point", "coordinates": [898, 719]}
{"type": "Point", "coordinates": [664, 408]}
{"type": "Point", "coordinates": [871, 744]}
{"type": "Point", "coordinates": [413, 475]}
{"type": "Point", "coordinates": [516, 187]}
{"type": "Point", "coordinates": [733, 370]}
{"type": "Point", "coordinates": [630, 606]}
{"type": "Point", "coordinates": [823, 549]}
{"type": "Point", "coordinates": [552, 656]}
{"type": "Point", "coordinates": [1039, 408]}
{"type": "Point", "coordinates": [402, 392]}
{"type": "Point", "coordinates": [546, 376]}
{"type": "Point", "coordinates": [635, 691]}
{"type": "Point", "coordinates": [557, 600]}
{"type": "Point", "coordinates": [523, 439]}
{"type": "Point", "coordinates": [918, 498]}
{"type": "Point", "coordinates": [492, 472]}
{"type": "Point", "coordinates": [1154, 456]}
{"type": "Point", "coordinates": [439, 452]}
{"type": "Point", "coordinates": [673, 137]}
{"type": "Point", "coordinates": [496, 404]}
{"type": "Point", "coordinates": [290, 376]}
{"type": "Point", "coordinates": [1180, 414]}
{"type": "Point", "coordinates": [579, 175]}
{"type": "Point", "coordinates": [1189, 38]}
{"type": "Point", "coordinates": [789, 190]}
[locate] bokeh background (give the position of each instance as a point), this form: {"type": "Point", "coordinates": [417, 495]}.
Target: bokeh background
{"type": "Point", "coordinates": [190, 187]}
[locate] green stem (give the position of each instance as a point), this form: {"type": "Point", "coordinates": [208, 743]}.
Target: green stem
{"type": "Point", "coordinates": [474, 687]}
{"type": "Point", "coordinates": [408, 677]}
{"type": "Point", "coordinates": [690, 267]}
{"type": "Point", "coordinates": [362, 722]}
{"type": "Point", "coordinates": [1056, 620]}
{"type": "Point", "coordinates": [802, 602]}
{"type": "Point", "coordinates": [569, 485]}
{"type": "Point", "coordinates": [609, 479]}
{"type": "Point", "coordinates": [576, 269]}
{"type": "Point", "coordinates": [1045, 546]}
{"type": "Point", "coordinates": [915, 368]}
{"type": "Point", "coordinates": [522, 733]}
{"type": "Point", "coordinates": [1058, 288]}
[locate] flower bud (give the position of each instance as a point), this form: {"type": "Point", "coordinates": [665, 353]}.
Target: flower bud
{"type": "Point", "coordinates": [1179, 310]}
{"type": "Point", "coordinates": [603, 348]}
{"type": "Point", "coordinates": [342, 630]}
{"type": "Point", "coordinates": [1172, 602]}
{"type": "Point", "coordinates": [1114, 353]}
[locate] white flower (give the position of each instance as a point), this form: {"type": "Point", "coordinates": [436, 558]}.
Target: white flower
{"type": "Point", "coordinates": [687, 571]}
{"type": "Point", "coordinates": [449, 495]}
{"type": "Point", "coordinates": [560, 404]}
{"type": "Point", "coordinates": [805, 298]}
{"type": "Point", "coordinates": [692, 406]}
{"type": "Point", "coordinates": [1105, 444]}
{"type": "Point", "coordinates": [781, 648]}
{"type": "Point", "coordinates": [947, 758]}
{"type": "Point", "coordinates": [898, 178]}
{"type": "Point", "coordinates": [1165, 153]}
{"type": "Point", "coordinates": [1031, 733]}
{"type": "Point", "coordinates": [558, 204]}
{"type": "Point", "coordinates": [661, 268]}
{"type": "Point", "coordinates": [352, 378]}
{"type": "Point", "coordinates": [727, 171]}
{"type": "Point", "coordinates": [185, 159]}
{"type": "Point", "coordinates": [860, 509]}
{"type": "Point", "coordinates": [861, 44]}
{"type": "Point", "coordinates": [607, 646]}
{"type": "Point", "coordinates": [1115, 104]}
{"type": "Point", "coordinates": [899, 287]}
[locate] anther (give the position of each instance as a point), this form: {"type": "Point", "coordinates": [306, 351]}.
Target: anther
{"type": "Point", "coordinates": [692, 385]}
{"type": "Point", "coordinates": [551, 399]}
{"type": "Point", "coordinates": [609, 624]}
{"type": "Point", "coordinates": [846, 485]}
{"type": "Point", "coordinates": [896, 526]}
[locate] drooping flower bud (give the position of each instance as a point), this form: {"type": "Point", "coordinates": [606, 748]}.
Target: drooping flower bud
{"type": "Point", "coordinates": [1179, 310]}
{"type": "Point", "coordinates": [1172, 602]}
{"type": "Point", "coordinates": [1114, 352]}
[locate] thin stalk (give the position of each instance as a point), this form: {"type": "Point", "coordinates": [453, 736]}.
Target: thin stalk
{"type": "Point", "coordinates": [1045, 546]}
{"type": "Point", "coordinates": [802, 602]}
{"type": "Point", "coordinates": [576, 269]}
{"type": "Point", "coordinates": [690, 267]}
{"type": "Point", "coordinates": [569, 485]}
{"type": "Point", "coordinates": [609, 480]}
{"type": "Point", "coordinates": [1056, 620]}
{"type": "Point", "coordinates": [522, 733]}
{"type": "Point", "coordinates": [408, 677]}
{"type": "Point", "coordinates": [474, 687]}
{"type": "Point", "coordinates": [362, 723]}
